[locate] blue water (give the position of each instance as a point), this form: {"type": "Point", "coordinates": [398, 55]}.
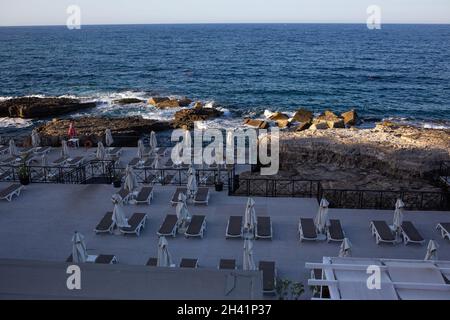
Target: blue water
{"type": "Point", "coordinates": [401, 71]}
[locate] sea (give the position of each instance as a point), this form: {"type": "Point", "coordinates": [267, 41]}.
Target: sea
{"type": "Point", "coordinates": [401, 72]}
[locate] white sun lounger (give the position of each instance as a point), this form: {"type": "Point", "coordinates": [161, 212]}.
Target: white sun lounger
{"type": "Point", "coordinates": [8, 192]}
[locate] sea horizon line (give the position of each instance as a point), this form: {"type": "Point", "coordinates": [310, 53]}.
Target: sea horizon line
{"type": "Point", "coordinates": [229, 23]}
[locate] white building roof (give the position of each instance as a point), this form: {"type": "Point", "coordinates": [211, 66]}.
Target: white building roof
{"type": "Point", "coordinates": [347, 279]}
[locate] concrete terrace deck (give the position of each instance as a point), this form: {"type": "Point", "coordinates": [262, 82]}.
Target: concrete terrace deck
{"type": "Point", "coordinates": [40, 223]}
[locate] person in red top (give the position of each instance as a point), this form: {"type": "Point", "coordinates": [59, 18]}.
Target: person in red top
{"type": "Point", "coordinates": [72, 132]}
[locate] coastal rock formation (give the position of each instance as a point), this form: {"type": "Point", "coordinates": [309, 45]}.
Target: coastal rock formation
{"type": "Point", "coordinates": [128, 101]}
{"type": "Point", "coordinates": [350, 118]}
{"type": "Point", "coordinates": [199, 105]}
{"type": "Point", "coordinates": [302, 126]}
{"type": "Point", "coordinates": [126, 131]}
{"type": "Point", "coordinates": [332, 120]}
{"type": "Point", "coordinates": [155, 100]}
{"type": "Point", "coordinates": [319, 125]}
{"type": "Point", "coordinates": [37, 108]}
{"type": "Point", "coordinates": [303, 116]}
{"type": "Point", "coordinates": [278, 116]}
{"type": "Point", "coordinates": [168, 104]}
{"type": "Point", "coordinates": [391, 157]}
{"type": "Point", "coordinates": [391, 150]}
{"type": "Point", "coordinates": [283, 123]}
{"type": "Point", "coordinates": [184, 102]}
{"type": "Point", "coordinates": [256, 124]}
{"type": "Point", "coordinates": [185, 118]}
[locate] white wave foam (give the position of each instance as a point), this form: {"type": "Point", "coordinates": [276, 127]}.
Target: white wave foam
{"type": "Point", "coordinates": [14, 123]}
{"type": "Point", "coordinates": [434, 125]}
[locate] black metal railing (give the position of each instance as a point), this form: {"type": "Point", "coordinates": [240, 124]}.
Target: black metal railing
{"type": "Point", "coordinates": [105, 172]}
{"type": "Point", "coordinates": [444, 171]}
{"type": "Point", "coordinates": [179, 176]}
{"type": "Point", "coordinates": [266, 187]}
{"type": "Point", "coordinates": [384, 199]}
{"type": "Point", "coordinates": [81, 174]}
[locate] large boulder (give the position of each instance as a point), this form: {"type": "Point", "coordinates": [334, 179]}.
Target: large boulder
{"type": "Point", "coordinates": [302, 126]}
{"type": "Point", "coordinates": [187, 117]}
{"type": "Point", "coordinates": [303, 116]}
{"type": "Point", "coordinates": [319, 125]}
{"type": "Point", "coordinates": [283, 123]}
{"type": "Point", "coordinates": [128, 101]}
{"type": "Point", "coordinates": [126, 131]}
{"type": "Point", "coordinates": [331, 119]}
{"type": "Point", "coordinates": [155, 100]}
{"type": "Point", "coordinates": [184, 102]}
{"type": "Point", "coordinates": [38, 108]}
{"type": "Point", "coordinates": [199, 105]}
{"type": "Point", "coordinates": [278, 116]}
{"type": "Point", "coordinates": [168, 104]}
{"type": "Point", "coordinates": [350, 118]}
{"type": "Point", "coordinates": [257, 124]}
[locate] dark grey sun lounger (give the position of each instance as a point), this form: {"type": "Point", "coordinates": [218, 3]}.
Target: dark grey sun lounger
{"type": "Point", "coordinates": [168, 179]}
{"type": "Point", "coordinates": [136, 222]}
{"type": "Point", "coordinates": [169, 164]}
{"type": "Point", "coordinates": [75, 161]}
{"type": "Point", "coordinates": [234, 227]}
{"type": "Point", "coordinates": [145, 195]}
{"type": "Point", "coordinates": [106, 225]}
{"type": "Point", "coordinates": [60, 161]}
{"type": "Point", "coordinates": [114, 151]}
{"type": "Point", "coordinates": [169, 226]}
{"type": "Point", "coordinates": [307, 230]}
{"type": "Point", "coordinates": [269, 276]}
{"type": "Point", "coordinates": [124, 194]}
{"type": "Point", "coordinates": [202, 196]}
{"type": "Point", "coordinates": [148, 163]}
{"type": "Point", "coordinates": [100, 259]}
{"type": "Point", "coordinates": [263, 228]}
{"type": "Point", "coordinates": [410, 233]}
{"type": "Point", "coordinates": [152, 262]}
{"type": "Point", "coordinates": [176, 195]}
{"type": "Point", "coordinates": [6, 175]}
{"type": "Point", "coordinates": [42, 150]}
{"type": "Point", "coordinates": [189, 263]}
{"type": "Point", "coordinates": [335, 232]}
{"type": "Point", "coordinates": [196, 227]}
{"type": "Point", "coordinates": [227, 264]}
{"type": "Point", "coordinates": [10, 191]}
{"type": "Point", "coordinates": [161, 151]}
{"type": "Point", "coordinates": [382, 232]}
{"type": "Point", "coordinates": [134, 162]}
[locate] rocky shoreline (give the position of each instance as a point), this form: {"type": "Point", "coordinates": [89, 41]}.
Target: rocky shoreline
{"type": "Point", "coordinates": [126, 131]}
{"type": "Point", "coordinates": [40, 108]}
{"type": "Point", "coordinates": [388, 157]}
{"type": "Point", "coordinates": [327, 147]}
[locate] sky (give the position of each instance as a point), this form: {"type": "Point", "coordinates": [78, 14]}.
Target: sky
{"type": "Point", "coordinates": [51, 12]}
